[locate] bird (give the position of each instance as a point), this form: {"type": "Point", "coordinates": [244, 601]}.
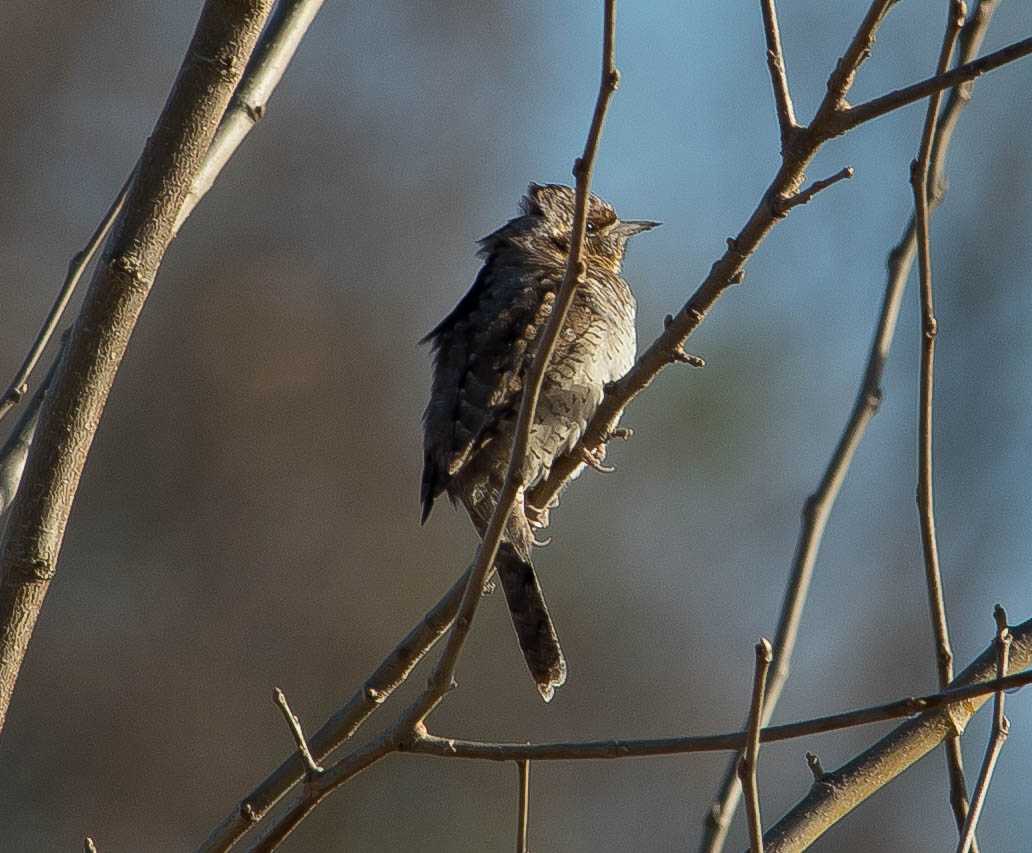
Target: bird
{"type": "Point", "coordinates": [482, 352]}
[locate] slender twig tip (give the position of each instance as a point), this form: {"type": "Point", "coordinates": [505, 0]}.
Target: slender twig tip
{"type": "Point", "coordinates": [816, 768]}
{"type": "Point", "coordinates": [764, 651]}
{"type": "Point", "coordinates": [1000, 615]}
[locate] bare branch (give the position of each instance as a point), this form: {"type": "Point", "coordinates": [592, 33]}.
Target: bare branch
{"type": "Point", "coordinates": [963, 700]}
{"type": "Point", "coordinates": [1000, 730]}
{"type": "Point", "coordinates": [279, 41]}
{"type": "Point", "coordinates": [390, 675]}
{"type": "Point", "coordinates": [397, 666]}
{"type": "Point", "coordinates": [76, 267]}
{"type": "Point", "coordinates": [523, 808]}
{"type": "Point", "coordinates": [727, 270]}
{"type": "Point", "coordinates": [818, 507]}
{"type": "Point", "coordinates": [844, 789]}
{"type": "Point", "coordinates": [747, 767]}
{"type": "Point", "coordinates": [441, 678]}
{"type": "Point", "coordinates": [319, 787]}
{"type": "Point", "coordinates": [925, 489]}
{"type": "Point", "coordinates": [296, 732]}
{"type": "Point", "coordinates": [778, 75]}
{"type": "Point", "coordinates": [287, 25]}
{"type": "Point", "coordinates": [877, 107]}
{"type": "Point", "coordinates": [32, 540]}
{"type": "Point", "coordinates": [804, 196]}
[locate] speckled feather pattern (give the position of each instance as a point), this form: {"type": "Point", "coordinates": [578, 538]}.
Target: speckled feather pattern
{"type": "Point", "coordinates": [485, 347]}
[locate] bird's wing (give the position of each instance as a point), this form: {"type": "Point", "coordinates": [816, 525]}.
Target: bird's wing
{"type": "Point", "coordinates": [482, 351]}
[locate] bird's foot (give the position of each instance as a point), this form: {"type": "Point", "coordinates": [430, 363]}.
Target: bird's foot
{"type": "Point", "coordinates": [593, 458]}
{"type": "Point", "coordinates": [537, 518]}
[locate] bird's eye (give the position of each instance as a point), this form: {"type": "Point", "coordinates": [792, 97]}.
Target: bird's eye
{"type": "Point", "coordinates": [591, 228]}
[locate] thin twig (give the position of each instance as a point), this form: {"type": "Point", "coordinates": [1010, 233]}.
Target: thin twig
{"type": "Point", "coordinates": [330, 779]}
{"type": "Point", "coordinates": [747, 767]}
{"type": "Point", "coordinates": [76, 267]}
{"type": "Point", "coordinates": [411, 723]}
{"type": "Point", "coordinates": [388, 676]}
{"type": "Point", "coordinates": [833, 118]}
{"type": "Point", "coordinates": [778, 75]}
{"type": "Point", "coordinates": [727, 270]}
{"type": "Point", "coordinates": [298, 734]}
{"type": "Point", "coordinates": [280, 40]}
{"type": "Point", "coordinates": [925, 488]}
{"type": "Point", "coordinates": [1000, 730]}
{"type": "Point", "coordinates": [966, 699]}
{"type": "Point", "coordinates": [877, 107]}
{"type": "Point", "coordinates": [512, 489]}
{"type": "Point", "coordinates": [15, 450]}
{"type": "Point", "coordinates": [523, 805]}
{"type": "Point", "coordinates": [818, 506]}
{"type": "Point", "coordinates": [806, 195]}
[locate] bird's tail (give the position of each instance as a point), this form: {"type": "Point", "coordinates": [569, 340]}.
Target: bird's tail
{"type": "Point", "coordinates": [534, 628]}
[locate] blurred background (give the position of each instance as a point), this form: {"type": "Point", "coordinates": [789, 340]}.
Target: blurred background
{"type": "Point", "coordinates": [249, 514]}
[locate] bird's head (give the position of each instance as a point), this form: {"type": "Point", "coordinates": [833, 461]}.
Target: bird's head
{"type": "Point", "coordinates": [546, 225]}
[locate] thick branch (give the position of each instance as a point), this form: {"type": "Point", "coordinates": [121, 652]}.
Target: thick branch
{"type": "Point", "coordinates": [840, 792]}
{"type": "Point", "coordinates": [279, 41]}
{"type": "Point", "coordinates": [225, 35]}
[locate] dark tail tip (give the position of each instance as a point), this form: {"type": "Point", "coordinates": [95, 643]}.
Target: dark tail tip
{"type": "Point", "coordinates": [534, 629]}
{"type": "Point", "coordinates": [555, 677]}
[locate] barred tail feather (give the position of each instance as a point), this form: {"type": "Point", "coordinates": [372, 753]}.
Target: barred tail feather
{"type": "Point", "coordinates": [534, 628]}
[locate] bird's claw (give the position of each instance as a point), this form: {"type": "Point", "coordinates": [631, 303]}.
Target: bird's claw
{"type": "Point", "coordinates": [593, 459]}
{"type": "Point", "coordinates": [537, 518]}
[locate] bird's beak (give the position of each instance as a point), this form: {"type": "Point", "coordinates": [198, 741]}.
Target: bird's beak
{"type": "Point", "coordinates": [630, 227]}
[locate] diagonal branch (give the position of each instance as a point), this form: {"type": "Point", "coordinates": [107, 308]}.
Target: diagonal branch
{"type": "Point", "coordinates": [747, 767]}
{"type": "Point", "coordinates": [411, 723]}
{"type": "Point", "coordinates": [225, 34]}
{"type": "Point", "coordinates": [1001, 728]}
{"type": "Point", "coordinates": [877, 107]}
{"type": "Point", "coordinates": [840, 792]}
{"type": "Point", "coordinates": [925, 489]}
{"type": "Point", "coordinates": [728, 269]}
{"type": "Point", "coordinates": [76, 267]}
{"type": "Point", "coordinates": [276, 47]}
{"type": "Point", "coordinates": [778, 74]}
{"type": "Point", "coordinates": [401, 661]}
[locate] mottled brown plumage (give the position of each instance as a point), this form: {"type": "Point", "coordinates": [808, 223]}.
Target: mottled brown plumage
{"type": "Point", "coordinates": [482, 352]}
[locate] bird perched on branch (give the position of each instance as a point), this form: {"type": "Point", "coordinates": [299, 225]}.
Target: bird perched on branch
{"type": "Point", "coordinates": [482, 353]}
